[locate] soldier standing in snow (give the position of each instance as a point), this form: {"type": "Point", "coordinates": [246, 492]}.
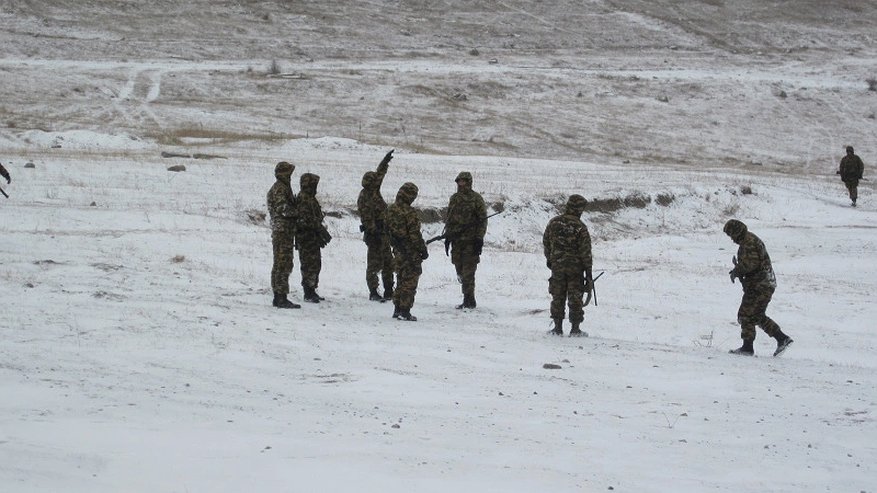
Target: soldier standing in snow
{"type": "Point", "coordinates": [409, 250]}
{"type": "Point", "coordinates": [752, 266]}
{"type": "Point", "coordinates": [281, 209]}
{"type": "Point", "coordinates": [465, 229]}
{"type": "Point", "coordinates": [311, 236]}
{"type": "Point", "coordinates": [567, 247]}
{"type": "Point", "coordinates": [371, 207]}
{"type": "Point", "coordinates": [850, 171]}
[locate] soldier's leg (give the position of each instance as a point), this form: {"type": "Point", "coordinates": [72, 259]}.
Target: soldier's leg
{"type": "Point", "coordinates": [470, 265]}
{"type": "Point", "coordinates": [557, 288]}
{"type": "Point", "coordinates": [386, 266]}
{"type": "Point", "coordinates": [373, 264]}
{"type": "Point", "coordinates": [761, 299]}
{"type": "Point", "coordinates": [854, 190]}
{"type": "Point", "coordinates": [409, 276]}
{"type": "Point", "coordinates": [457, 260]}
{"type": "Point", "coordinates": [283, 263]}
{"type": "Point", "coordinates": [310, 263]}
{"type": "Point", "coordinates": [575, 288]}
{"type": "Point", "coordinates": [747, 315]}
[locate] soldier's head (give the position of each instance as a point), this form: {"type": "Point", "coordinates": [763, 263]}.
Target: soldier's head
{"type": "Point", "coordinates": [463, 180]}
{"type": "Point", "coordinates": [369, 179]}
{"type": "Point", "coordinates": [309, 183]}
{"type": "Point", "coordinates": [283, 170]}
{"type": "Point", "coordinates": [407, 193]}
{"type": "Point", "coordinates": [849, 150]}
{"type": "Point", "coordinates": [735, 229]}
{"type": "Point", "coordinates": [576, 204]}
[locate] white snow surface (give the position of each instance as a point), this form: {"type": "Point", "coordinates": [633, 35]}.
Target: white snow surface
{"type": "Point", "coordinates": [126, 369]}
{"type": "Point", "coordinates": [139, 351]}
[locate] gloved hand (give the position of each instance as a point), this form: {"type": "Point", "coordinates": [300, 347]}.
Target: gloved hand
{"type": "Point", "coordinates": [548, 263]}
{"type": "Point", "coordinates": [733, 274]}
{"type": "Point", "coordinates": [589, 281]}
{"type": "Point", "coordinates": [424, 255]}
{"type": "Point", "coordinates": [479, 245]}
{"type": "Point", "coordinates": [387, 157]}
{"type": "Point", "coordinates": [447, 246]}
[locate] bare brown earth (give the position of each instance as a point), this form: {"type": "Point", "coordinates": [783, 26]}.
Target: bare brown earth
{"type": "Point", "coordinates": [701, 83]}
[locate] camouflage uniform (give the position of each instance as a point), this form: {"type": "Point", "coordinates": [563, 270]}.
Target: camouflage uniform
{"type": "Point", "coordinates": [851, 169]}
{"type": "Point", "coordinates": [281, 210]}
{"type": "Point", "coordinates": [567, 247]}
{"type": "Point", "coordinates": [465, 228]}
{"type": "Point", "coordinates": [311, 236]}
{"type": "Point", "coordinates": [409, 249]}
{"type": "Point", "coordinates": [754, 269]}
{"type": "Point", "coordinates": [371, 207]}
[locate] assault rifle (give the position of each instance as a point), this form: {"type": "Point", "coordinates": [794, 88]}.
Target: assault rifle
{"type": "Point", "coordinates": [593, 290]}
{"type": "Point", "coordinates": [444, 236]}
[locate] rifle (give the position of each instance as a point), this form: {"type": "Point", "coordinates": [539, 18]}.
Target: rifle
{"type": "Point", "coordinates": [593, 290]}
{"type": "Point", "coordinates": [444, 236]}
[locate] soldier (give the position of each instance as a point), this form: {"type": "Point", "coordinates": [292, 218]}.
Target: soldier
{"type": "Point", "coordinates": [311, 236]}
{"type": "Point", "coordinates": [752, 266]}
{"type": "Point", "coordinates": [851, 168]}
{"type": "Point", "coordinates": [371, 207]}
{"type": "Point", "coordinates": [281, 208]}
{"type": "Point", "coordinates": [465, 228]}
{"type": "Point", "coordinates": [409, 250]}
{"type": "Point", "coordinates": [567, 247]}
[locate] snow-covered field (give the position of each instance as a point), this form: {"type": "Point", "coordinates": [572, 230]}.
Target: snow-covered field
{"type": "Point", "coordinates": [138, 348]}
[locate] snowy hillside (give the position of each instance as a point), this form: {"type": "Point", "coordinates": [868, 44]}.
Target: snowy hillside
{"type": "Point", "coordinates": [138, 348]}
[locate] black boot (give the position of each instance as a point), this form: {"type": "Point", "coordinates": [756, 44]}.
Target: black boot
{"type": "Point", "coordinates": [468, 302]}
{"type": "Point", "coordinates": [406, 315]}
{"type": "Point", "coordinates": [311, 295]}
{"type": "Point", "coordinates": [558, 327]}
{"type": "Point", "coordinates": [744, 350]}
{"type": "Point", "coordinates": [280, 301]}
{"type": "Point", "coordinates": [783, 342]}
{"type": "Point", "coordinates": [575, 331]}
{"type": "Point", "coordinates": [388, 293]}
{"type": "Point", "coordinates": [374, 296]}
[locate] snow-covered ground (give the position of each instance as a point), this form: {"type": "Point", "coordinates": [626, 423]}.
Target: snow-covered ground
{"type": "Point", "coordinates": [138, 348]}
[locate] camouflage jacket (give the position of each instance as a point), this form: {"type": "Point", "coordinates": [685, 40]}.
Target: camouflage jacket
{"type": "Point", "coordinates": [566, 243]}
{"type": "Point", "coordinates": [404, 228]}
{"type": "Point", "coordinates": [371, 205]}
{"type": "Point", "coordinates": [851, 168]}
{"type": "Point", "coordinates": [309, 218]}
{"type": "Point", "coordinates": [282, 208]}
{"type": "Point", "coordinates": [753, 264]}
{"type": "Point", "coordinates": [467, 217]}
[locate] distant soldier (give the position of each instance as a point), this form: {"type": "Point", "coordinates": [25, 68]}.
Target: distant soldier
{"type": "Point", "coordinates": [281, 209]}
{"type": "Point", "coordinates": [409, 250]}
{"type": "Point", "coordinates": [311, 236]}
{"type": "Point", "coordinates": [371, 207]}
{"type": "Point", "coordinates": [850, 171]}
{"type": "Point", "coordinates": [752, 266]}
{"type": "Point", "coordinates": [465, 228]}
{"type": "Point", "coordinates": [567, 247]}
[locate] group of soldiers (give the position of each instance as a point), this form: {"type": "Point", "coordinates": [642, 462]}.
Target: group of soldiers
{"type": "Point", "coordinates": [396, 249]}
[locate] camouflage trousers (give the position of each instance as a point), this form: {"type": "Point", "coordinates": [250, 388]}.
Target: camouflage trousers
{"type": "Point", "coordinates": [567, 286]}
{"type": "Point", "coordinates": [310, 262]}
{"type": "Point", "coordinates": [407, 277]}
{"type": "Point", "coordinates": [752, 312]}
{"type": "Point", "coordinates": [284, 254]}
{"type": "Point", "coordinates": [379, 260]}
{"type": "Point", "coordinates": [853, 188]}
{"type": "Point", "coordinates": [465, 261]}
